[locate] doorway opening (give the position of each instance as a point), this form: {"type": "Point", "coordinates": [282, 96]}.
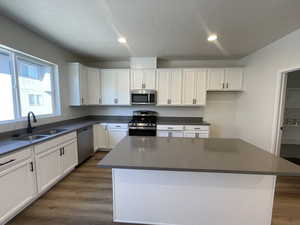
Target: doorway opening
{"type": "Point", "coordinates": [288, 143]}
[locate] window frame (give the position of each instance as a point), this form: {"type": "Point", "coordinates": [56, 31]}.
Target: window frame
{"type": "Point", "coordinates": [14, 55]}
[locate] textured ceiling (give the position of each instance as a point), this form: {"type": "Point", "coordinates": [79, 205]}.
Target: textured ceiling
{"type": "Point", "coordinates": [162, 28]}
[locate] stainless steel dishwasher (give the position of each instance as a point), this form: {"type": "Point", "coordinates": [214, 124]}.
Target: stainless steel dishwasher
{"type": "Point", "coordinates": [85, 141]}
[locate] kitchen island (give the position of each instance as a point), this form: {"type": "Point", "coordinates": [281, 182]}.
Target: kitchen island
{"type": "Point", "coordinates": [160, 180]}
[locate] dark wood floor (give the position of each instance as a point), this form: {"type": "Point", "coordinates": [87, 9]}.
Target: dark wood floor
{"type": "Point", "coordinates": [85, 198]}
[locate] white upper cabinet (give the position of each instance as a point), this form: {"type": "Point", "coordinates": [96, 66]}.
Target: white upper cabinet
{"type": "Point", "coordinates": [215, 79]}
{"type": "Point", "coordinates": [115, 87]}
{"type": "Point", "coordinates": [143, 79]}
{"type": "Point", "coordinates": [194, 87]}
{"type": "Point", "coordinates": [94, 86]}
{"type": "Point", "coordinates": [78, 84]}
{"type": "Point", "coordinates": [169, 86]}
{"type": "Point", "coordinates": [225, 79]}
{"type": "Point", "coordinates": [234, 79]}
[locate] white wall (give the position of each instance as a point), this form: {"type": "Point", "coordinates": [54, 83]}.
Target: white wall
{"type": "Point", "coordinates": [16, 36]}
{"type": "Point", "coordinates": [256, 106]}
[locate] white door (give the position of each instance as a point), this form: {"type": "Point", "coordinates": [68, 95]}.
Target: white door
{"type": "Point", "coordinates": [48, 167]}
{"type": "Point", "coordinates": [216, 79]}
{"type": "Point", "coordinates": [17, 188]}
{"type": "Point", "coordinates": [149, 79]}
{"type": "Point", "coordinates": [175, 87]}
{"type": "Point", "coordinates": [69, 157]}
{"type": "Point", "coordinates": [200, 87]}
{"type": "Point", "coordinates": [83, 85]}
{"type": "Point", "coordinates": [163, 77]}
{"type": "Point", "coordinates": [188, 87]}
{"type": "Point", "coordinates": [136, 79]}
{"type": "Point", "coordinates": [234, 78]}
{"type": "Point", "coordinates": [94, 86]}
{"type": "Point", "coordinates": [123, 93]}
{"type": "Point", "coordinates": [108, 87]}
{"type": "Point", "coordinates": [100, 136]}
{"type": "Point", "coordinates": [115, 136]}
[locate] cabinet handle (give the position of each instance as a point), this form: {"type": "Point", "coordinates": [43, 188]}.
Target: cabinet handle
{"type": "Point", "coordinates": [31, 166]}
{"type": "Point", "coordinates": [169, 134]}
{"type": "Point", "coordinates": [194, 101]}
{"type": "Point", "coordinates": [9, 161]}
{"type": "Point", "coordinates": [82, 100]}
{"type": "Point", "coordinates": [197, 135]}
{"type": "Point", "coordinates": [63, 150]}
{"type": "Point", "coordinates": [143, 85]}
{"type": "Point", "coordinates": [60, 152]}
{"type": "Point", "coordinates": [116, 100]}
{"type": "Point", "coordinates": [223, 85]}
{"type": "Point", "coordinates": [227, 85]}
{"type": "Point", "coordinates": [100, 100]}
{"type": "Point", "coordinates": [169, 101]}
{"type": "Point", "coordinates": [170, 128]}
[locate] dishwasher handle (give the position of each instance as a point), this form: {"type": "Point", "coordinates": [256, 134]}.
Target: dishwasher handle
{"type": "Point", "coordinates": [84, 129]}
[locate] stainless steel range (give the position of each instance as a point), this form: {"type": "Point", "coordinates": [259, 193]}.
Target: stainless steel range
{"type": "Point", "coordinates": [143, 123]}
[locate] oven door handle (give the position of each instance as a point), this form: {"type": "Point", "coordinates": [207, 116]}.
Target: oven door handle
{"type": "Point", "coordinates": [142, 128]}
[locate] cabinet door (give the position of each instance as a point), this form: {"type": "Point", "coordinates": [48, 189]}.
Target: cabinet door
{"type": "Point", "coordinates": [69, 158]}
{"type": "Point", "coordinates": [123, 93]}
{"type": "Point", "coordinates": [200, 87]}
{"type": "Point", "coordinates": [94, 86]}
{"type": "Point", "coordinates": [136, 79]}
{"type": "Point", "coordinates": [115, 136]}
{"type": "Point", "coordinates": [234, 79]}
{"type": "Point", "coordinates": [108, 86]}
{"type": "Point", "coordinates": [48, 167]}
{"type": "Point", "coordinates": [83, 85]}
{"type": "Point", "coordinates": [189, 84]}
{"type": "Point", "coordinates": [17, 188]}
{"type": "Point", "coordinates": [175, 87]}
{"type": "Point", "coordinates": [149, 79]}
{"type": "Point", "coordinates": [163, 87]}
{"type": "Point", "coordinates": [177, 134]}
{"type": "Point", "coordinates": [162, 133]}
{"type": "Point", "coordinates": [100, 136]}
{"type": "Point", "coordinates": [169, 133]}
{"type": "Point", "coordinates": [189, 134]}
{"type": "Point", "coordinates": [216, 79]}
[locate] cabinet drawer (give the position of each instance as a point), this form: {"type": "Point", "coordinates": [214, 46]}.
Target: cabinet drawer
{"type": "Point", "coordinates": [11, 158]}
{"type": "Point", "coordinates": [54, 142]}
{"type": "Point", "coordinates": [197, 128]}
{"type": "Point", "coordinates": [117, 126]}
{"type": "Point", "coordinates": [170, 127]}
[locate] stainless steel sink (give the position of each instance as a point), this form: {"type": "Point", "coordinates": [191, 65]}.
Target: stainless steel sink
{"type": "Point", "coordinates": [51, 132]}
{"type": "Point", "coordinates": [31, 137]}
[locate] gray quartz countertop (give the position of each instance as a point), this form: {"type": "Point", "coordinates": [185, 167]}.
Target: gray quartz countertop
{"type": "Point", "coordinates": [196, 155]}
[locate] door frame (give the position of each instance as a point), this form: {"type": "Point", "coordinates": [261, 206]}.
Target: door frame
{"type": "Point", "coordinates": [279, 108]}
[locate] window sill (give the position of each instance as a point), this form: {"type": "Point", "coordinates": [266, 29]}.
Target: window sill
{"type": "Point", "coordinates": [23, 119]}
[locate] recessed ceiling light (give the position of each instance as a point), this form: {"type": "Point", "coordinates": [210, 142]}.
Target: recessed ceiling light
{"type": "Point", "coordinates": [122, 40]}
{"type": "Point", "coordinates": [212, 37]}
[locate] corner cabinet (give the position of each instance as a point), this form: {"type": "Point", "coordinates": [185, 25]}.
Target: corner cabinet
{"type": "Point", "coordinates": [225, 79]}
{"type": "Point", "coordinates": [143, 79]}
{"type": "Point", "coordinates": [194, 87]}
{"type": "Point", "coordinates": [78, 84]}
{"type": "Point", "coordinates": [169, 86]}
{"type": "Point", "coordinates": [115, 86]}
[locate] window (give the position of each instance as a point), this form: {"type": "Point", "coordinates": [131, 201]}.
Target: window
{"type": "Point", "coordinates": [26, 84]}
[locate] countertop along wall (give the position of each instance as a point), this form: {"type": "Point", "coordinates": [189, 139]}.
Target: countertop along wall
{"type": "Point", "coordinates": [18, 37]}
{"type": "Point", "coordinates": [256, 107]}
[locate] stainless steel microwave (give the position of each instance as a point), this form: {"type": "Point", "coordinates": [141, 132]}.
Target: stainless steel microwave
{"type": "Point", "coordinates": [143, 97]}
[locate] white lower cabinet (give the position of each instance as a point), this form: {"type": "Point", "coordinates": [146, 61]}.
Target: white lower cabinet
{"type": "Point", "coordinates": [54, 159]}
{"type": "Point", "coordinates": [188, 131]}
{"type": "Point", "coordinates": [17, 182]}
{"type": "Point", "coordinates": [48, 167]}
{"type": "Point", "coordinates": [100, 136]}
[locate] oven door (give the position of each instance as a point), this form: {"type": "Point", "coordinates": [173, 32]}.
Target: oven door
{"type": "Point", "coordinates": [133, 131]}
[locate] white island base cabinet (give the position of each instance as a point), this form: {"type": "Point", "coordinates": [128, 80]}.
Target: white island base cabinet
{"type": "Point", "coordinates": [192, 198]}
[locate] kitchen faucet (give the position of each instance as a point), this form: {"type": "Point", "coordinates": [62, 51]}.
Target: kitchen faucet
{"type": "Point", "coordinates": [29, 127]}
